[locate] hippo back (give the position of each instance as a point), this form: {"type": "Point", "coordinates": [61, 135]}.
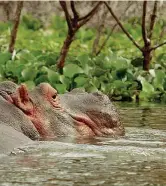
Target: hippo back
{"type": "Point", "coordinates": [10, 139]}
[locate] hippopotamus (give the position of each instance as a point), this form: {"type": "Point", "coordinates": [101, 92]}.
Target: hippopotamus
{"type": "Point", "coordinates": [11, 138]}
{"type": "Point", "coordinates": [42, 113]}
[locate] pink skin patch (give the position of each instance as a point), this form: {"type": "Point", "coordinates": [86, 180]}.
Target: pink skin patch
{"type": "Point", "coordinates": [87, 125]}
{"type": "Point", "coordinates": [51, 95]}
{"type": "Point", "coordinates": [21, 99]}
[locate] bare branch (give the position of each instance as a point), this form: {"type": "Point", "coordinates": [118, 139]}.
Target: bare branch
{"type": "Point", "coordinates": [162, 33]}
{"type": "Point", "coordinates": [90, 15]}
{"type": "Point", "coordinates": [100, 29]}
{"type": "Point", "coordinates": [91, 12]}
{"type": "Point", "coordinates": [73, 26]}
{"type": "Point", "coordinates": [152, 21]}
{"type": "Point", "coordinates": [75, 13]}
{"type": "Point", "coordinates": [157, 46]}
{"type": "Point", "coordinates": [15, 27]}
{"type": "Point", "coordinates": [144, 34]}
{"type": "Point", "coordinates": [68, 18]}
{"type": "Point", "coordinates": [105, 41]}
{"type": "Point", "coordinates": [64, 51]}
{"type": "Point", "coordinates": [112, 30]}
{"type": "Point", "coordinates": [121, 26]}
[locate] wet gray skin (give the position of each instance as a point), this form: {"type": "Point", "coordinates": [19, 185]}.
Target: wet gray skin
{"type": "Point", "coordinates": [7, 88]}
{"type": "Point", "coordinates": [19, 123]}
{"type": "Point", "coordinates": [15, 118]}
{"type": "Point", "coordinates": [12, 116]}
{"type": "Point", "coordinates": [54, 121]}
{"type": "Point", "coordinates": [10, 139]}
{"type": "Point", "coordinates": [78, 113]}
{"type": "Point", "coordinates": [93, 109]}
{"type": "Point", "coordinates": [42, 114]}
{"type": "Point", "coordinates": [15, 129]}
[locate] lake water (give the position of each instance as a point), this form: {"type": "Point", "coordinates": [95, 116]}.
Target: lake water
{"type": "Point", "coordinates": [139, 158]}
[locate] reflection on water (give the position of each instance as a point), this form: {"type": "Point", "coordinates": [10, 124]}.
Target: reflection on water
{"type": "Point", "coordinates": [139, 158]}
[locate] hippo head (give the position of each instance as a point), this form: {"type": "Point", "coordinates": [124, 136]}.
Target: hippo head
{"type": "Point", "coordinates": [93, 113]}
{"type": "Point", "coordinates": [75, 113]}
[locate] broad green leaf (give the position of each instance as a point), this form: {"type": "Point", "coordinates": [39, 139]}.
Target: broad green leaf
{"type": "Point", "coordinates": [50, 61]}
{"type": "Point", "coordinates": [53, 76]}
{"type": "Point", "coordinates": [119, 84]}
{"type": "Point", "coordinates": [41, 78]}
{"type": "Point", "coordinates": [71, 69]}
{"type": "Point", "coordinates": [4, 57]}
{"type": "Point", "coordinates": [161, 58]}
{"type": "Point", "coordinates": [29, 73]}
{"type": "Point", "coordinates": [65, 80]}
{"type": "Point", "coordinates": [120, 73]}
{"type": "Point", "coordinates": [146, 86]}
{"type": "Point", "coordinates": [143, 96]}
{"type": "Point", "coordinates": [119, 62]}
{"type": "Point", "coordinates": [30, 84]}
{"type": "Point", "coordinates": [87, 69]}
{"type": "Point", "coordinates": [152, 72]}
{"type": "Point", "coordinates": [91, 88]}
{"type": "Point", "coordinates": [31, 22]}
{"type": "Point", "coordinates": [83, 59]}
{"type": "Point", "coordinates": [2, 70]}
{"type": "Point", "coordinates": [103, 87]}
{"type": "Point", "coordinates": [163, 97]}
{"type": "Point", "coordinates": [61, 88]}
{"type": "Point", "coordinates": [15, 67]}
{"type": "Point", "coordinates": [159, 79]}
{"type": "Point", "coordinates": [97, 71]}
{"type": "Point", "coordinates": [106, 64]}
{"type": "Point", "coordinates": [80, 81]}
{"type": "Point", "coordinates": [137, 62]}
{"type": "Point", "coordinates": [96, 81]}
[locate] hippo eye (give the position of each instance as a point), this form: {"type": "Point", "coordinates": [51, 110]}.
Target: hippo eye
{"type": "Point", "coordinates": [54, 96]}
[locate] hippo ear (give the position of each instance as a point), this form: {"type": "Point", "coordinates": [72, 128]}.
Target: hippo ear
{"type": "Point", "coordinates": [21, 99]}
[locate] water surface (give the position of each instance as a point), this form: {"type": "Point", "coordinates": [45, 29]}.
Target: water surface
{"type": "Point", "coordinates": [139, 158]}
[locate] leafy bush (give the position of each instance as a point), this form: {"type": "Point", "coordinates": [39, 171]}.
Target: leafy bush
{"type": "Point", "coordinates": [117, 71]}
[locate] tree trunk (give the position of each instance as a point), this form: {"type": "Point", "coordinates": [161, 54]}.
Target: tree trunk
{"type": "Point", "coordinates": [64, 50]}
{"type": "Point", "coordinates": [147, 59]}
{"type": "Point", "coordinates": [15, 27]}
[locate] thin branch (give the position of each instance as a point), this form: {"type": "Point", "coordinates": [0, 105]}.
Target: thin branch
{"type": "Point", "coordinates": [91, 12]}
{"type": "Point", "coordinates": [101, 23]}
{"type": "Point", "coordinates": [152, 21]}
{"type": "Point", "coordinates": [121, 26]}
{"type": "Point", "coordinates": [90, 15]}
{"type": "Point", "coordinates": [68, 18]}
{"type": "Point", "coordinates": [75, 13]}
{"type": "Point", "coordinates": [15, 27]}
{"type": "Point", "coordinates": [73, 26]}
{"type": "Point", "coordinates": [162, 33]}
{"type": "Point", "coordinates": [144, 34]}
{"type": "Point", "coordinates": [157, 46]}
{"type": "Point", "coordinates": [112, 30]}
{"type": "Point", "coordinates": [105, 41]}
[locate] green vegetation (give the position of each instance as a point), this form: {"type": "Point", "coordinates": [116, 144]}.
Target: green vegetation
{"type": "Point", "coordinates": [116, 71]}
